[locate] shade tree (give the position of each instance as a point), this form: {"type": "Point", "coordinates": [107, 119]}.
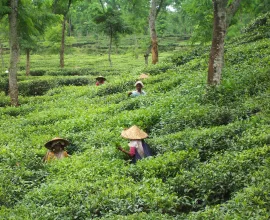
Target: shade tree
{"type": "Point", "coordinates": [212, 20]}
{"type": "Point", "coordinates": [110, 20]}
{"type": "Point", "coordinates": [26, 23]}
{"type": "Point", "coordinates": [32, 24]}
{"type": "Point", "coordinates": [82, 14]}
{"type": "Point", "coordinates": [155, 7]}
{"type": "Point", "coordinates": [14, 52]}
{"type": "Point", "coordinates": [224, 10]}
{"type": "Point", "coordinates": [61, 7]}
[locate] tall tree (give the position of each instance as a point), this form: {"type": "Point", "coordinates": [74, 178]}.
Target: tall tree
{"type": "Point", "coordinates": [33, 20]}
{"type": "Point", "coordinates": [62, 7]}
{"type": "Point", "coordinates": [113, 24]}
{"type": "Point", "coordinates": [224, 10]}
{"type": "Point", "coordinates": [153, 33]}
{"type": "Point", "coordinates": [155, 7]}
{"type": "Point", "coordinates": [199, 13]}
{"type": "Point", "coordinates": [14, 52]}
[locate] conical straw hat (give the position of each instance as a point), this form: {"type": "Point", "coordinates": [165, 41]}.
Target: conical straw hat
{"type": "Point", "coordinates": [134, 133]}
{"type": "Point", "coordinates": [143, 76]}
{"type": "Point", "coordinates": [49, 143]}
{"type": "Point", "coordinates": [100, 77]}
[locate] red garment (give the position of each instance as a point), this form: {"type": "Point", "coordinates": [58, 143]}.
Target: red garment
{"type": "Point", "coordinates": [99, 83]}
{"type": "Point", "coordinates": [132, 151]}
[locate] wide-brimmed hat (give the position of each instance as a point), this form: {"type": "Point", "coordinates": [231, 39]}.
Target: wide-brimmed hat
{"type": "Point", "coordinates": [143, 76]}
{"type": "Point", "coordinates": [134, 133]}
{"type": "Point", "coordinates": [49, 143]}
{"type": "Point", "coordinates": [139, 82]}
{"type": "Point", "coordinates": [100, 77]}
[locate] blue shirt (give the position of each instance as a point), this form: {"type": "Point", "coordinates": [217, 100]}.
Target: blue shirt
{"type": "Point", "coordinates": [136, 93]}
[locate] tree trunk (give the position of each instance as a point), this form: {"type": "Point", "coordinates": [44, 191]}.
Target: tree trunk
{"type": "Point", "coordinates": [62, 49]}
{"type": "Point", "coordinates": [110, 50]}
{"type": "Point", "coordinates": [146, 55]}
{"type": "Point", "coordinates": [217, 49]}
{"type": "Point", "coordinates": [14, 52]}
{"type": "Point", "coordinates": [27, 62]}
{"type": "Point", "coordinates": [222, 19]}
{"type": "Point", "coordinates": [153, 34]}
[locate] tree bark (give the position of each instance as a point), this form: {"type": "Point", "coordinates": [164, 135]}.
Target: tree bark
{"type": "Point", "coordinates": [27, 62]}
{"type": "Point", "coordinates": [62, 49]}
{"type": "Point", "coordinates": [153, 34]}
{"type": "Point", "coordinates": [146, 55]}
{"type": "Point", "coordinates": [217, 49]}
{"type": "Point", "coordinates": [222, 19]}
{"type": "Point", "coordinates": [14, 52]}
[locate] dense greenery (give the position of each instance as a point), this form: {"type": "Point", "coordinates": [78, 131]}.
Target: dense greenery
{"type": "Point", "coordinates": [211, 145]}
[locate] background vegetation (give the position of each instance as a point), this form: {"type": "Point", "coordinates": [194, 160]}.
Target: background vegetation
{"type": "Point", "coordinates": [211, 144]}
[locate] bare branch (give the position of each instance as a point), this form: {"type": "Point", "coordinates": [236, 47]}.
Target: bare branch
{"type": "Point", "coordinates": [159, 7]}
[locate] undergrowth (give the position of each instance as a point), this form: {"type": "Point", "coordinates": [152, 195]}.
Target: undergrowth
{"type": "Point", "coordinates": [211, 145]}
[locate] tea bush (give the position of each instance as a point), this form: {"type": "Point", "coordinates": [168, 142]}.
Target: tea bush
{"type": "Point", "coordinates": [242, 204]}
{"type": "Point", "coordinates": [40, 87]}
{"type": "Point", "coordinates": [158, 69]}
{"type": "Point", "coordinates": [210, 145]}
{"type": "Point", "coordinates": [190, 55]}
{"type": "Point", "coordinates": [217, 180]}
{"type": "Point", "coordinates": [256, 30]}
{"type": "Point", "coordinates": [4, 85]}
{"type": "Point", "coordinates": [38, 72]}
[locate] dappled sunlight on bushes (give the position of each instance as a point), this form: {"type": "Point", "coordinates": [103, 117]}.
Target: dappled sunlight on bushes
{"type": "Point", "coordinates": [211, 145]}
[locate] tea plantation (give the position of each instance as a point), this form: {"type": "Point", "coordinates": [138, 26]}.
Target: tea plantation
{"type": "Point", "coordinates": [211, 145]}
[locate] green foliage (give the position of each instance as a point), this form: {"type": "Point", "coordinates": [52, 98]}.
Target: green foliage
{"type": "Point", "coordinates": [183, 58]}
{"type": "Point", "coordinates": [158, 69]}
{"type": "Point", "coordinates": [242, 203]}
{"type": "Point", "coordinates": [217, 180]}
{"type": "Point", "coordinates": [211, 145]}
{"type": "Point", "coordinates": [37, 72]}
{"type": "Point", "coordinates": [112, 21]}
{"type": "Point", "coordinates": [4, 8]}
{"type": "Point", "coordinates": [4, 100]}
{"type": "Point", "coordinates": [53, 36]}
{"type": "Point", "coordinates": [257, 29]}
{"type": "Point", "coordinates": [40, 87]}
{"type": "Point", "coordinates": [4, 84]}
{"type": "Point", "coordinates": [200, 14]}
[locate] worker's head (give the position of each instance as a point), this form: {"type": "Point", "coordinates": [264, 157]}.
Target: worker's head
{"type": "Point", "coordinates": [139, 85]}
{"type": "Point", "coordinates": [101, 79]}
{"type": "Point", "coordinates": [56, 144]}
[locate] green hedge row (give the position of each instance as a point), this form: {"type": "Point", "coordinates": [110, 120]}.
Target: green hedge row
{"type": "Point", "coordinates": [250, 203]}
{"type": "Point", "coordinates": [41, 86]}
{"type": "Point", "coordinates": [215, 182]}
